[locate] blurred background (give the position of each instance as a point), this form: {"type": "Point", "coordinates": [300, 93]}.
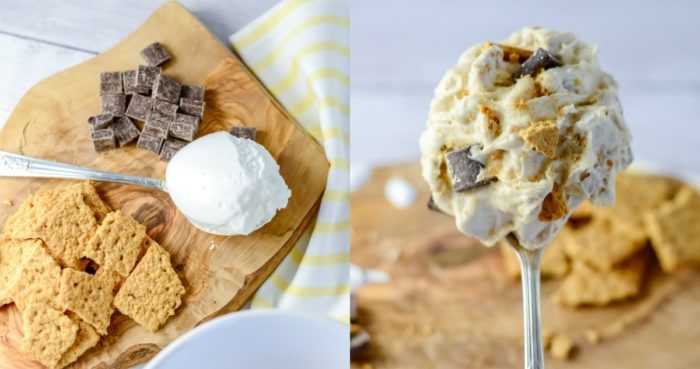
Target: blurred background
{"type": "Point", "coordinates": [401, 48]}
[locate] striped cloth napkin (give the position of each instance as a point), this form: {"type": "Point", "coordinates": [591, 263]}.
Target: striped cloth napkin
{"type": "Point", "coordinates": [300, 50]}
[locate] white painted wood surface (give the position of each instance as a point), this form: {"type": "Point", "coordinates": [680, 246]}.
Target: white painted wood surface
{"type": "Point", "coordinates": [401, 48]}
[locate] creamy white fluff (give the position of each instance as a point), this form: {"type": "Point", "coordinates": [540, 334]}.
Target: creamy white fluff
{"type": "Point", "coordinates": [226, 185]}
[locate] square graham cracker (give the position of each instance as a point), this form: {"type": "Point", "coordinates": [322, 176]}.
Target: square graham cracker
{"type": "Point", "coordinates": [86, 339]}
{"type": "Point", "coordinates": [48, 333]}
{"type": "Point", "coordinates": [116, 243]}
{"type": "Point", "coordinates": [152, 292]}
{"type": "Point", "coordinates": [88, 296]}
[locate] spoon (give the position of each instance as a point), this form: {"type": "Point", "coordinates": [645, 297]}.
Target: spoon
{"type": "Point", "coordinates": [530, 275]}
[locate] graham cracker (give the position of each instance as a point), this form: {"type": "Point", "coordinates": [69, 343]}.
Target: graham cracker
{"type": "Point", "coordinates": [554, 262]}
{"type": "Point", "coordinates": [554, 205]}
{"type": "Point", "coordinates": [24, 222]}
{"type": "Point", "coordinates": [13, 256]}
{"type": "Point", "coordinates": [543, 137]}
{"type": "Point", "coordinates": [38, 280]}
{"type": "Point", "coordinates": [88, 296]}
{"type": "Point", "coordinates": [86, 338]}
{"type": "Point", "coordinates": [152, 292]}
{"type": "Point", "coordinates": [117, 243]}
{"type": "Point", "coordinates": [603, 242]}
{"type": "Point", "coordinates": [561, 346]}
{"type": "Point", "coordinates": [674, 230]}
{"type": "Point", "coordinates": [590, 286]}
{"type": "Point", "coordinates": [637, 195]}
{"type": "Point", "coordinates": [93, 201]}
{"type": "Point", "coordinates": [48, 333]}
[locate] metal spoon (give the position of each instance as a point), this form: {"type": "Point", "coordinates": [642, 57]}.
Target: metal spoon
{"type": "Point", "coordinates": [530, 276]}
{"type": "Point", "coordinates": [14, 165]}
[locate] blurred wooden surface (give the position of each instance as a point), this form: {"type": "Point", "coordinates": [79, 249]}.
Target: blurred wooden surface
{"type": "Point", "coordinates": [450, 304]}
{"type": "Point", "coordinates": [402, 48]}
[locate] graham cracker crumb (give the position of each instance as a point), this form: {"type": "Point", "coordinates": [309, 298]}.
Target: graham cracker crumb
{"type": "Point", "coordinates": [592, 336]}
{"type": "Point", "coordinates": [543, 137]}
{"type": "Point", "coordinates": [554, 205]}
{"type": "Point", "coordinates": [561, 346]}
{"type": "Point", "coordinates": [8, 202]}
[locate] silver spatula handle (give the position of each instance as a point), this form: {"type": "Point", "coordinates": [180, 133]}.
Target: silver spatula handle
{"type": "Point", "coordinates": [14, 165]}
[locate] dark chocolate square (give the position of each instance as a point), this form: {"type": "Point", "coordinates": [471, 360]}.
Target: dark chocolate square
{"type": "Point", "coordinates": [166, 89]}
{"type": "Point", "coordinates": [103, 139]}
{"type": "Point", "coordinates": [183, 131]}
{"type": "Point", "coordinates": [139, 107]}
{"type": "Point", "coordinates": [192, 107]}
{"type": "Point", "coordinates": [156, 119]}
{"type": "Point", "coordinates": [150, 143]}
{"type": "Point", "coordinates": [165, 107]}
{"type": "Point", "coordinates": [464, 171]}
{"type": "Point", "coordinates": [130, 85]}
{"type": "Point", "coordinates": [100, 121]}
{"type": "Point", "coordinates": [111, 83]}
{"type": "Point", "coordinates": [114, 104]}
{"type": "Point", "coordinates": [146, 76]}
{"type": "Point", "coordinates": [243, 132]}
{"type": "Point", "coordinates": [192, 92]}
{"type": "Point", "coordinates": [187, 119]}
{"type": "Point", "coordinates": [170, 147]}
{"type": "Point", "coordinates": [155, 54]}
{"type": "Point", "coordinates": [540, 60]}
{"type": "Point", "coordinates": [154, 131]}
{"type": "Point", "coordinates": [124, 130]}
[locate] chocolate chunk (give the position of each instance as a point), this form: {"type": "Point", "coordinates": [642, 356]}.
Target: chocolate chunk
{"type": "Point", "coordinates": [192, 92]}
{"type": "Point", "coordinates": [114, 104]}
{"type": "Point", "coordinates": [146, 76]}
{"type": "Point", "coordinates": [243, 132]}
{"type": "Point", "coordinates": [464, 171]}
{"type": "Point", "coordinates": [353, 308]}
{"type": "Point", "coordinates": [170, 147]}
{"type": "Point", "coordinates": [124, 130]}
{"type": "Point", "coordinates": [111, 83]}
{"type": "Point", "coordinates": [155, 54]}
{"type": "Point", "coordinates": [150, 143]}
{"type": "Point", "coordinates": [192, 107]}
{"type": "Point", "coordinates": [187, 119]}
{"type": "Point", "coordinates": [130, 85]}
{"type": "Point", "coordinates": [154, 131]}
{"type": "Point", "coordinates": [183, 130]}
{"type": "Point", "coordinates": [359, 342]}
{"type": "Point", "coordinates": [139, 107]}
{"type": "Point", "coordinates": [165, 108]}
{"type": "Point", "coordinates": [103, 139]}
{"type": "Point", "coordinates": [166, 89]}
{"type": "Point", "coordinates": [156, 119]}
{"type": "Point", "coordinates": [433, 206]}
{"type": "Point", "coordinates": [100, 121]}
{"type": "Point", "coordinates": [539, 61]}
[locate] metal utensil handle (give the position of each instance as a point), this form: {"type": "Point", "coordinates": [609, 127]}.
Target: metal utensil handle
{"type": "Point", "coordinates": [14, 165]}
{"type": "Point", "coordinates": [530, 275]}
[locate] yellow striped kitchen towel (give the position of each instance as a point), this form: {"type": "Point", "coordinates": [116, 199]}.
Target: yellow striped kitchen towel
{"type": "Point", "coordinates": [300, 50]}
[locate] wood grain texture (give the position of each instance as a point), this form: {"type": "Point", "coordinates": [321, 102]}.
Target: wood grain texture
{"type": "Point", "coordinates": [450, 303]}
{"type": "Point", "coordinates": [49, 122]}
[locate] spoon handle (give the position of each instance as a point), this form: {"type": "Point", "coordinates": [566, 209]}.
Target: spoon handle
{"type": "Point", "coordinates": [14, 165]}
{"type": "Point", "coordinates": [530, 275]}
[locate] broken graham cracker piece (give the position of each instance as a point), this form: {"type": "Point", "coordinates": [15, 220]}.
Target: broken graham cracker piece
{"type": "Point", "coordinates": [14, 255]}
{"type": "Point", "coordinates": [116, 243]}
{"type": "Point", "coordinates": [37, 279]}
{"type": "Point", "coordinates": [554, 261]}
{"type": "Point", "coordinates": [561, 346]}
{"type": "Point", "coordinates": [589, 286]}
{"type": "Point", "coordinates": [554, 205]}
{"type": "Point", "coordinates": [152, 292]}
{"type": "Point", "coordinates": [47, 333]}
{"type": "Point", "coordinates": [86, 338]}
{"type": "Point", "coordinates": [543, 137]}
{"type": "Point", "coordinates": [603, 242]}
{"type": "Point", "coordinates": [674, 230]}
{"type": "Point", "coordinates": [93, 200]}
{"type": "Point", "coordinates": [88, 296]}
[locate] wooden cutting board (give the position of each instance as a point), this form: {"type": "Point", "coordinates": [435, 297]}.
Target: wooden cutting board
{"type": "Point", "coordinates": [451, 305]}
{"type": "Point", "coordinates": [220, 273]}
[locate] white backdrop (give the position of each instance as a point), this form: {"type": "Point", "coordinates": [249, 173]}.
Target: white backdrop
{"type": "Point", "coordinates": [401, 48]}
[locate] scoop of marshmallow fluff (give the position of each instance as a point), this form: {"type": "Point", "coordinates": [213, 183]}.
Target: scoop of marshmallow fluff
{"type": "Point", "coordinates": [226, 185]}
{"type": "Point", "coordinates": [510, 149]}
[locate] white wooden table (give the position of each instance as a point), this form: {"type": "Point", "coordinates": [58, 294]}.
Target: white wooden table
{"type": "Point", "coordinates": [401, 48]}
{"type": "Point", "coordinates": [39, 38]}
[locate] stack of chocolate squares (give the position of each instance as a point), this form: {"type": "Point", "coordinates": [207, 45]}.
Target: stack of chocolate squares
{"type": "Point", "coordinates": [170, 112]}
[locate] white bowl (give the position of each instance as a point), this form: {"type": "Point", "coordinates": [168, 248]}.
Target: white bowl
{"type": "Point", "coordinates": [260, 339]}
